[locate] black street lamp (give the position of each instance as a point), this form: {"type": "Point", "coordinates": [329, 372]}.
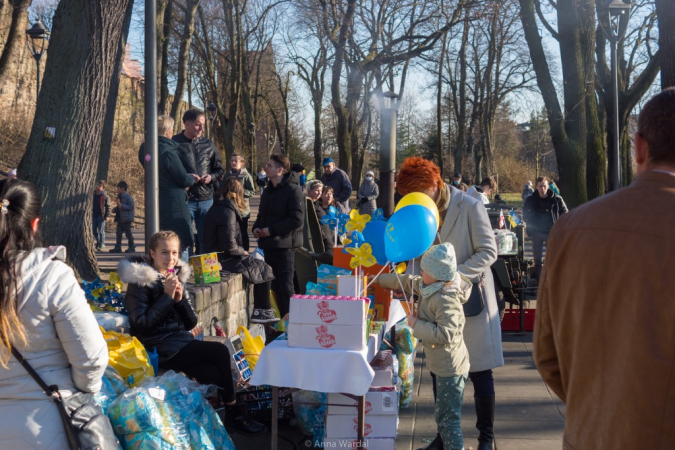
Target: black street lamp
{"type": "Point", "coordinates": [37, 36]}
{"type": "Point", "coordinates": [613, 16]}
{"type": "Point", "coordinates": [388, 113]}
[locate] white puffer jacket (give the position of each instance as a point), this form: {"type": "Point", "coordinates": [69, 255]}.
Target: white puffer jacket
{"type": "Point", "coordinates": [65, 347]}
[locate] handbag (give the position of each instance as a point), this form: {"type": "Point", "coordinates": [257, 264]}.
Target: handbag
{"type": "Point", "coordinates": [87, 428]}
{"type": "Point", "coordinates": [476, 302]}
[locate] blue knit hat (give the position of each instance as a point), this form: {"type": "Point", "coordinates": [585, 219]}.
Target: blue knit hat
{"type": "Point", "coordinates": [327, 161]}
{"type": "Point", "coordinates": [439, 262]}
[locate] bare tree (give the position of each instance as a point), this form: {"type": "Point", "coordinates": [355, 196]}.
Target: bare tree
{"type": "Point", "coordinates": [189, 11]}
{"type": "Point", "coordinates": [63, 167]}
{"type": "Point", "coordinates": [665, 10]}
{"type": "Point", "coordinates": [15, 33]}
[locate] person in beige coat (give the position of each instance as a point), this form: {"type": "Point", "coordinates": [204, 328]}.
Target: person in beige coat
{"type": "Point", "coordinates": [465, 224]}
{"type": "Point", "coordinates": [48, 321]}
{"type": "Point", "coordinates": [604, 339]}
{"type": "Point", "coordinates": [439, 323]}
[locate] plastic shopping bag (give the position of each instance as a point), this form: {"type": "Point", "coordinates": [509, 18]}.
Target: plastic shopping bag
{"type": "Point", "coordinates": [128, 356]}
{"type": "Point", "coordinates": [253, 346]}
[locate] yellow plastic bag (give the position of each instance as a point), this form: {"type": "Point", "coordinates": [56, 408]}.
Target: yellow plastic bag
{"type": "Point", "coordinates": [253, 346]}
{"type": "Point", "coordinates": [128, 356]}
{"type": "Point", "coordinates": [280, 325]}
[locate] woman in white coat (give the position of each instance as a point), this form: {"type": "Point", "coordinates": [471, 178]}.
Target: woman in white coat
{"type": "Point", "coordinates": [44, 314]}
{"type": "Point", "coordinates": [465, 224]}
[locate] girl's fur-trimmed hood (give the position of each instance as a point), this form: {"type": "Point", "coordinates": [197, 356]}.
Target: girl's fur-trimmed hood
{"type": "Point", "coordinates": [139, 270]}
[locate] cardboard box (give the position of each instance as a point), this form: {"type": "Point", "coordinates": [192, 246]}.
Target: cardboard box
{"type": "Point", "coordinates": [334, 337]}
{"type": "Point", "coordinates": [327, 312]}
{"type": "Point", "coordinates": [327, 276]}
{"type": "Point", "coordinates": [377, 404]}
{"type": "Point", "coordinates": [344, 426]}
{"type": "Point", "coordinates": [382, 296]}
{"type": "Point", "coordinates": [347, 286]}
{"type": "Point", "coordinates": [206, 268]}
{"type": "Point", "coordinates": [371, 444]}
{"type": "Point", "coordinates": [383, 377]}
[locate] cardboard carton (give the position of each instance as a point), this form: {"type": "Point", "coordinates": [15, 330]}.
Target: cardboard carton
{"type": "Point", "coordinates": [344, 426]}
{"type": "Point", "coordinates": [320, 311]}
{"type": "Point", "coordinates": [371, 444]}
{"type": "Point", "coordinates": [377, 404]}
{"type": "Point", "coordinates": [333, 337]}
{"type": "Point", "coordinates": [206, 268]}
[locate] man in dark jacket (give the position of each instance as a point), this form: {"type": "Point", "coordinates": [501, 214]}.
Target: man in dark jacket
{"type": "Point", "coordinates": [238, 170]}
{"type": "Point", "coordinates": [174, 214]}
{"type": "Point", "coordinates": [279, 226]}
{"type": "Point", "coordinates": [101, 214]}
{"type": "Point", "coordinates": [338, 180]}
{"type": "Point", "coordinates": [199, 155]}
{"type": "Point", "coordinates": [124, 216]}
{"type": "Point", "coordinates": [542, 209]}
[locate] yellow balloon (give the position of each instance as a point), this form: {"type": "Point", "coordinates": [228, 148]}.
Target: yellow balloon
{"type": "Point", "coordinates": [419, 198]}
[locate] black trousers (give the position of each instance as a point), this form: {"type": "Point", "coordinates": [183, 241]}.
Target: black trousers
{"type": "Point", "coordinates": [206, 362]}
{"type": "Point", "coordinates": [261, 295]}
{"type": "Point", "coordinates": [282, 261]}
{"type": "Point", "coordinates": [483, 383]}
{"type": "Point", "coordinates": [126, 229]}
{"type": "Point", "coordinates": [244, 233]}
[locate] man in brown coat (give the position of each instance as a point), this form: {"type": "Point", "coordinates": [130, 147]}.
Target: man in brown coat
{"type": "Point", "coordinates": [604, 339]}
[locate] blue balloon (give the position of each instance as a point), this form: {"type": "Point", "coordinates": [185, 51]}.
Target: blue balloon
{"type": "Point", "coordinates": [374, 235]}
{"type": "Point", "coordinates": [409, 233]}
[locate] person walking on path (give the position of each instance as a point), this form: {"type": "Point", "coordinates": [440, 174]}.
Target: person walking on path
{"type": "Point", "coordinates": [457, 183]}
{"type": "Point", "coordinates": [439, 323]}
{"type": "Point", "coordinates": [338, 180]}
{"type": "Point", "coordinates": [224, 230]}
{"type": "Point", "coordinates": [262, 180]}
{"type": "Point", "coordinates": [527, 191]}
{"type": "Point", "coordinates": [465, 224]}
{"type": "Point", "coordinates": [541, 211]}
{"type": "Point", "coordinates": [603, 334]}
{"type": "Point", "coordinates": [45, 316]}
{"type": "Point", "coordinates": [238, 171]}
{"type": "Point", "coordinates": [279, 226]}
{"type": "Point", "coordinates": [101, 212]}
{"type": "Point", "coordinates": [174, 214]}
{"type": "Point", "coordinates": [367, 195]}
{"type": "Point", "coordinates": [124, 216]}
{"type": "Point", "coordinates": [483, 190]}
{"type": "Point", "coordinates": [199, 155]}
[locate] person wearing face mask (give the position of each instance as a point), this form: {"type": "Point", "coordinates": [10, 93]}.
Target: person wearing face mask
{"type": "Point", "coordinates": [458, 184]}
{"type": "Point", "coordinates": [367, 195]}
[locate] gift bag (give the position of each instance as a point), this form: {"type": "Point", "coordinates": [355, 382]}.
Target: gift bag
{"type": "Point", "coordinates": [253, 346]}
{"type": "Point", "coordinates": [128, 356]}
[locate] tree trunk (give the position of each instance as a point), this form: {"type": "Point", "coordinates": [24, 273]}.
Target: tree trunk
{"type": "Point", "coordinates": [665, 9]}
{"type": "Point", "coordinates": [63, 169]}
{"type": "Point", "coordinates": [14, 36]}
{"type": "Point", "coordinates": [164, 16]}
{"type": "Point", "coordinates": [183, 58]}
{"type": "Point", "coordinates": [461, 114]}
{"type": "Point", "coordinates": [439, 105]}
{"type": "Point", "coordinates": [109, 122]}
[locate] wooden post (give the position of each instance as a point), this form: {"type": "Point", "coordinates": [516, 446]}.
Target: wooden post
{"type": "Point", "coordinates": [361, 406]}
{"type": "Point", "coordinates": [275, 418]}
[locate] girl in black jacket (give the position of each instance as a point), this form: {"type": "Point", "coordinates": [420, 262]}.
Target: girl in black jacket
{"type": "Point", "coordinates": [223, 234]}
{"type": "Point", "coordinates": [161, 317]}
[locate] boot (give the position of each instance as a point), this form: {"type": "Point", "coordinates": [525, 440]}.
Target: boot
{"type": "Point", "coordinates": [234, 420]}
{"type": "Point", "coordinates": [485, 417]}
{"type": "Point", "coordinates": [436, 444]}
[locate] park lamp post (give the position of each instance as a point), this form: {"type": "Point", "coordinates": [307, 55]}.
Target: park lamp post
{"type": "Point", "coordinates": [388, 113]}
{"type": "Point", "coordinates": [615, 14]}
{"type": "Point", "coordinates": [37, 36]}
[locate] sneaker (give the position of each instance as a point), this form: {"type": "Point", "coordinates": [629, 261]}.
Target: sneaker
{"type": "Point", "coordinates": [264, 316]}
{"type": "Point", "coordinates": [244, 425]}
{"type": "Point", "coordinates": [101, 248]}
{"type": "Point", "coordinates": [130, 250]}
{"type": "Point", "coordinates": [115, 250]}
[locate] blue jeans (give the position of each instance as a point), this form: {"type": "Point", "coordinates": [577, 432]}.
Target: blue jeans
{"type": "Point", "coordinates": [198, 210]}
{"type": "Point", "coordinates": [99, 231]}
{"type": "Point", "coordinates": [448, 412]}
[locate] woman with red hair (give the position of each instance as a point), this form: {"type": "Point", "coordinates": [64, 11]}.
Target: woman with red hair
{"type": "Point", "coordinates": [465, 224]}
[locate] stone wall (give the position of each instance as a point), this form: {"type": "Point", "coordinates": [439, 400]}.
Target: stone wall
{"type": "Point", "coordinates": [230, 300]}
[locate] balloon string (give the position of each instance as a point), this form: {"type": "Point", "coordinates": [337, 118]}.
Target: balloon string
{"type": "Point", "coordinates": [337, 228]}
{"type": "Point", "coordinates": [402, 288]}
{"type": "Point", "coordinates": [378, 274]}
